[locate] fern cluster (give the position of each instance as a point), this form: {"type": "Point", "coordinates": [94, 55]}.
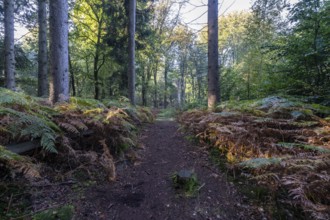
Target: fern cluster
{"type": "Point", "coordinates": [24, 118]}
{"type": "Point", "coordinates": [279, 153]}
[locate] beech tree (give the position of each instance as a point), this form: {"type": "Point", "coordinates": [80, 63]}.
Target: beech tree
{"type": "Point", "coordinates": [131, 51]}
{"type": "Point", "coordinates": [213, 66]}
{"type": "Point", "coordinates": [43, 52]}
{"type": "Point", "coordinates": [9, 44]}
{"type": "Point", "coordinates": [59, 51]}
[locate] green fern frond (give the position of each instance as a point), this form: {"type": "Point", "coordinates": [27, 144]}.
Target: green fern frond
{"type": "Point", "coordinates": [86, 103]}
{"type": "Point", "coordinates": [9, 98]}
{"type": "Point", "coordinates": [128, 126]}
{"type": "Point", "coordinates": [260, 162]}
{"type": "Point", "coordinates": [8, 155]}
{"type": "Point", "coordinates": [48, 142]}
{"type": "Point", "coordinates": [32, 126]}
{"type": "Point", "coordinates": [303, 146]}
{"type": "Point", "coordinates": [69, 127]}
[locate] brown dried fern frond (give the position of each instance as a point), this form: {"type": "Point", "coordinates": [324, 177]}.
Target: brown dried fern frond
{"type": "Point", "coordinates": [106, 160]}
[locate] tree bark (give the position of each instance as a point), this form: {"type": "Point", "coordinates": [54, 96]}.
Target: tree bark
{"type": "Point", "coordinates": [9, 45]}
{"type": "Point", "coordinates": [165, 81]}
{"type": "Point", "coordinates": [182, 81]}
{"type": "Point", "coordinates": [97, 66]}
{"type": "Point", "coordinates": [156, 86]}
{"type": "Point", "coordinates": [43, 52]}
{"type": "Point", "coordinates": [213, 65]}
{"type": "Point", "coordinates": [131, 51]}
{"type": "Point", "coordinates": [96, 70]}
{"type": "Point", "coordinates": [144, 98]}
{"type": "Point", "coordinates": [59, 51]}
{"type": "Point", "coordinates": [72, 81]}
{"type": "Point", "coordinates": [193, 92]}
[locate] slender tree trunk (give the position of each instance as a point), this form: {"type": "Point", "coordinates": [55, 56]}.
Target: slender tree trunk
{"type": "Point", "coordinates": [72, 81]}
{"type": "Point", "coordinates": [156, 86]}
{"type": "Point", "coordinates": [43, 52]}
{"type": "Point", "coordinates": [59, 51]}
{"type": "Point", "coordinates": [182, 84]}
{"type": "Point", "coordinates": [143, 84]}
{"type": "Point", "coordinates": [179, 93]}
{"type": "Point", "coordinates": [96, 73]}
{"type": "Point", "coordinates": [144, 98]}
{"type": "Point", "coordinates": [193, 87]}
{"type": "Point", "coordinates": [9, 45]}
{"type": "Point", "coordinates": [131, 51]}
{"type": "Point", "coordinates": [165, 82]}
{"type": "Point", "coordinates": [146, 84]}
{"type": "Point", "coordinates": [213, 65]}
{"type": "Point", "coordinates": [199, 81]}
{"type": "Point", "coordinates": [199, 85]}
{"type": "Point", "coordinates": [248, 85]}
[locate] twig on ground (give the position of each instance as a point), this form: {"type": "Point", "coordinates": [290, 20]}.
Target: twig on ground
{"type": "Point", "coordinates": [56, 184]}
{"type": "Point", "coordinates": [10, 201]}
{"type": "Point", "coordinates": [199, 188]}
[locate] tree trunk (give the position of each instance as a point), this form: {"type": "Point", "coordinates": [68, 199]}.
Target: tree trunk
{"type": "Point", "coordinates": [59, 51]}
{"type": "Point", "coordinates": [182, 81]}
{"type": "Point", "coordinates": [96, 73]}
{"type": "Point", "coordinates": [165, 82]}
{"type": "Point", "coordinates": [143, 84]}
{"type": "Point", "coordinates": [213, 65]}
{"type": "Point", "coordinates": [156, 86]}
{"type": "Point", "coordinates": [199, 81]}
{"type": "Point", "coordinates": [199, 85]}
{"type": "Point", "coordinates": [9, 45]}
{"type": "Point", "coordinates": [144, 98]}
{"type": "Point", "coordinates": [131, 51]}
{"type": "Point", "coordinates": [193, 87]}
{"type": "Point", "coordinates": [43, 52]}
{"type": "Point", "coordinates": [72, 81]}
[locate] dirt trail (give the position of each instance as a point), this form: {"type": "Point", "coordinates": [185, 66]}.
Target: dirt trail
{"type": "Point", "coordinates": [145, 191]}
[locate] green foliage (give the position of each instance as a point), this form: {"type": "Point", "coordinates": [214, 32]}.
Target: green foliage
{"type": "Point", "coordinates": [167, 113]}
{"type": "Point", "coordinates": [188, 185]}
{"type": "Point", "coordinates": [25, 119]}
{"type": "Point", "coordinates": [145, 114]}
{"type": "Point", "coordinates": [289, 106]}
{"type": "Point", "coordinates": [62, 213]}
{"type": "Point", "coordinates": [6, 155]}
{"type": "Point", "coordinates": [248, 106]}
{"type": "Point", "coordinates": [29, 125]}
{"type": "Point", "coordinates": [117, 102]}
{"type": "Point", "coordinates": [9, 98]}
{"type": "Point", "coordinates": [84, 103]}
{"type": "Point", "coordinates": [303, 146]}
{"type": "Point", "coordinates": [259, 163]}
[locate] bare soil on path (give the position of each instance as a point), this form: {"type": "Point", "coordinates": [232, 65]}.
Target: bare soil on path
{"type": "Point", "coordinates": [145, 190]}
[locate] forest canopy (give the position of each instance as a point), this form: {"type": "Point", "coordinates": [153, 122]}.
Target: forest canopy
{"type": "Point", "coordinates": [274, 48]}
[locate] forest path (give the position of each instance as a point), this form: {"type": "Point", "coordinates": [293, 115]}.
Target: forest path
{"type": "Point", "coordinates": [145, 191]}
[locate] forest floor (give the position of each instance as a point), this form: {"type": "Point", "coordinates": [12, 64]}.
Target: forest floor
{"type": "Point", "coordinates": [145, 190]}
{"type": "Point", "coordinates": [261, 159]}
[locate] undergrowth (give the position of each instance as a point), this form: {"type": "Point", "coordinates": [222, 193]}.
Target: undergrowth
{"type": "Point", "coordinates": [272, 145]}
{"type": "Point", "coordinates": [167, 113]}
{"type": "Point", "coordinates": [82, 138]}
{"type": "Point", "coordinates": [185, 182]}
